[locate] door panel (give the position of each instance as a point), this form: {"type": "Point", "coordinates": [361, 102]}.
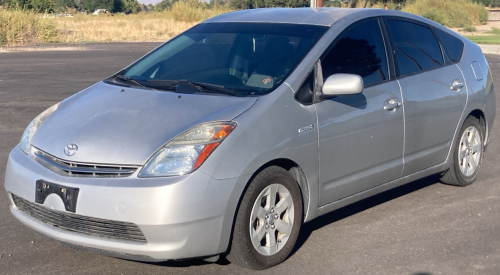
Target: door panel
{"type": "Point", "coordinates": [360, 143]}
{"type": "Point", "coordinates": [432, 113]}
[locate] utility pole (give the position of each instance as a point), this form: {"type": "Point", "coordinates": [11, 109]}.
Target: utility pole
{"type": "Point", "coordinates": [316, 3]}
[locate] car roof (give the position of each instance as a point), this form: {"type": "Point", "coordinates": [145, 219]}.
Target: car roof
{"type": "Point", "coordinates": [309, 16]}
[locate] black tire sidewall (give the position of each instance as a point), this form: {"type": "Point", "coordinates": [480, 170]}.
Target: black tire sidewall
{"type": "Point", "coordinates": [241, 234]}
{"type": "Point", "coordinates": [466, 180]}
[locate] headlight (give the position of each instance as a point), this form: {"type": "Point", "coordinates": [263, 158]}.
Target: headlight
{"type": "Point", "coordinates": [186, 152]}
{"type": "Point", "coordinates": [25, 142]}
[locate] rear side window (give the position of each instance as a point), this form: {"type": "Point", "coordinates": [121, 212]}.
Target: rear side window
{"type": "Point", "coordinates": [453, 46]}
{"type": "Point", "coordinates": [360, 51]}
{"type": "Point", "coordinates": [416, 48]}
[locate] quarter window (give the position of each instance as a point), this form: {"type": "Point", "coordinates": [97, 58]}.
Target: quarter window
{"type": "Point", "coordinates": [415, 46]}
{"type": "Point", "coordinates": [453, 46]}
{"type": "Point", "coordinates": [360, 51]}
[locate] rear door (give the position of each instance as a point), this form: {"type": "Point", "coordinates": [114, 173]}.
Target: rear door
{"type": "Point", "coordinates": [434, 93]}
{"type": "Point", "coordinates": [360, 136]}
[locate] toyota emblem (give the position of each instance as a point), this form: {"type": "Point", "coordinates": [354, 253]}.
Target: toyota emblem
{"type": "Point", "coordinates": [70, 149]}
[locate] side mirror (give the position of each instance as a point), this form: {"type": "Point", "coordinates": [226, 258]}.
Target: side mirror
{"type": "Point", "coordinates": [342, 84]}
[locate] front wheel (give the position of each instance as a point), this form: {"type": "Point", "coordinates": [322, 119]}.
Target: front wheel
{"type": "Point", "coordinates": [268, 220]}
{"type": "Point", "coordinates": [467, 155]}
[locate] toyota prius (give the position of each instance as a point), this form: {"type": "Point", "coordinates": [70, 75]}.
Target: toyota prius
{"type": "Point", "coordinates": [230, 136]}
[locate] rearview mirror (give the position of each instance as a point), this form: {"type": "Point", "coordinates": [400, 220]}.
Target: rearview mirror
{"type": "Point", "coordinates": [343, 84]}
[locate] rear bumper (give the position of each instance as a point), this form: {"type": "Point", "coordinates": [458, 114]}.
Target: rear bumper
{"type": "Point", "coordinates": [181, 217]}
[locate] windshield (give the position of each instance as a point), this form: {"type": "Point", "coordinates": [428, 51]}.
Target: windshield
{"type": "Point", "coordinates": [239, 58]}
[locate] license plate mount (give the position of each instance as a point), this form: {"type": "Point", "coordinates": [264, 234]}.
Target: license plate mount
{"type": "Point", "coordinates": [68, 195]}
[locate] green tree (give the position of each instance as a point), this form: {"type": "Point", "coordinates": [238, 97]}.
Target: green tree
{"type": "Point", "coordinates": [220, 3]}
{"type": "Point", "coordinates": [494, 3]}
{"type": "Point", "coordinates": [131, 6]}
{"type": "Point", "coordinates": [63, 5]}
{"type": "Point", "coordinates": [110, 5]}
{"type": "Point", "coordinates": [241, 4]}
{"type": "Point", "coordinates": [486, 3]}
{"type": "Point", "coordinates": [165, 4]}
{"type": "Point", "coordinates": [35, 5]}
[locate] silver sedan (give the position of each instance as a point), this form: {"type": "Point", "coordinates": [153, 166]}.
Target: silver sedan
{"type": "Point", "coordinates": [227, 138]}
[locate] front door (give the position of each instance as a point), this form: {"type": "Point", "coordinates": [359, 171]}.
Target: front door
{"type": "Point", "coordinates": [360, 136]}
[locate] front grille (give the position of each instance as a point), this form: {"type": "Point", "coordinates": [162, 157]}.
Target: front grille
{"type": "Point", "coordinates": [81, 224]}
{"type": "Point", "coordinates": [79, 169]}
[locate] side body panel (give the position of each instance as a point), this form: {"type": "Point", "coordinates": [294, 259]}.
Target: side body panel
{"type": "Point", "coordinates": [360, 143]}
{"type": "Point", "coordinates": [432, 113]}
{"type": "Point", "coordinates": [479, 84]}
{"type": "Point", "coordinates": [269, 131]}
{"type": "Point", "coordinates": [480, 95]}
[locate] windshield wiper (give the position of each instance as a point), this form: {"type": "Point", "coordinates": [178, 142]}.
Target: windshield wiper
{"type": "Point", "coordinates": [129, 80]}
{"type": "Point", "coordinates": [211, 87]}
{"type": "Point", "coordinates": [207, 86]}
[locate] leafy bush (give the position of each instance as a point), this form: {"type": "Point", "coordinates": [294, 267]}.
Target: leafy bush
{"type": "Point", "coordinates": [451, 13]}
{"type": "Point", "coordinates": [332, 3]}
{"type": "Point", "coordinates": [25, 28]}
{"type": "Point", "coordinates": [489, 3]}
{"type": "Point", "coordinates": [436, 15]}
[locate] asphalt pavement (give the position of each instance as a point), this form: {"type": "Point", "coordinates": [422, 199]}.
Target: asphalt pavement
{"type": "Point", "coordinates": [421, 228]}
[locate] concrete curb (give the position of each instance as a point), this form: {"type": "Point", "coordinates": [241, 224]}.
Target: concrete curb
{"type": "Point", "coordinates": [490, 49]}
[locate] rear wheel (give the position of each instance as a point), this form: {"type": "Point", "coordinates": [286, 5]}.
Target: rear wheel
{"type": "Point", "coordinates": [268, 220]}
{"type": "Point", "coordinates": [467, 155]}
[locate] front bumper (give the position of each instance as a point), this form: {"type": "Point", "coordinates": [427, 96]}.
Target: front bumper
{"type": "Point", "coordinates": [181, 217]}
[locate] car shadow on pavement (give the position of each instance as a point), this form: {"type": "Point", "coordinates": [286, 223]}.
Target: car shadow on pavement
{"type": "Point", "coordinates": [360, 206]}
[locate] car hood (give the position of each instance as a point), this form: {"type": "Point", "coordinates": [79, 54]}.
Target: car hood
{"type": "Point", "coordinates": [116, 125]}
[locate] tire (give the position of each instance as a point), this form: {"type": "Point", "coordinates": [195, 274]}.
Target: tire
{"type": "Point", "coordinates": [278, 223]}
{"type": "Point", "coordinates": [467, 154]}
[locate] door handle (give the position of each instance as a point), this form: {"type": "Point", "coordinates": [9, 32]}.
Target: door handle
{"type": "Point", "coordinates": [456, 85]}
{"type": "Point", "coordinates": [391, 105]}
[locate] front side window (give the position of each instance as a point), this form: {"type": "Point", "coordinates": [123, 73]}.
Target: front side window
{"type": "Point", "coordinates": [416, 48]}
{"type": "Point", "coordinates": [360, 51]}
{"type": "Point", "coordinates": [242, 58]}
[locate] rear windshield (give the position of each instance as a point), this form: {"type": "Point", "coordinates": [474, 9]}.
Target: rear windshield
{"type": "Point", "coordinates": [246, 58]}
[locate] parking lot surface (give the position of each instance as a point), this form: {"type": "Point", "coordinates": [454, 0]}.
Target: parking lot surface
{"type": "Point", "coordinates": [421, 228]}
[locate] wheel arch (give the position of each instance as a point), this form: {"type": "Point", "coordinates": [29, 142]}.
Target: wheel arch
{"type": "Point", "coordinates": [479, 114]}
{"type": "Point", "coordinates": [295, 170]}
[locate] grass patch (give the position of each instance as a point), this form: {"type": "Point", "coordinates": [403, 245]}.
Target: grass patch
{"type": "Point", "coordinates": [495, 31]}
{"type": "Point", "coordinates": [484, 39]}
{"type": "Point", "coordinates": [119, 28]}
{"type": "Point", "coordinates": [141, 27]}
{"type": "Point", "coordinates": [469, 29]}
{"type": "Point", "coordinates": [19, 28]}
{"type": "Point", "coordinates": [450, 13]}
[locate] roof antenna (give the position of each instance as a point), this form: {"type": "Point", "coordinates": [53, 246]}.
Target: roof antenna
{"type": "Point", "coordinates": [366, 3]}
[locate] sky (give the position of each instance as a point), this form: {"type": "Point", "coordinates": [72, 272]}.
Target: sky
{"type": "Point", "coordinates": [154, 2]}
